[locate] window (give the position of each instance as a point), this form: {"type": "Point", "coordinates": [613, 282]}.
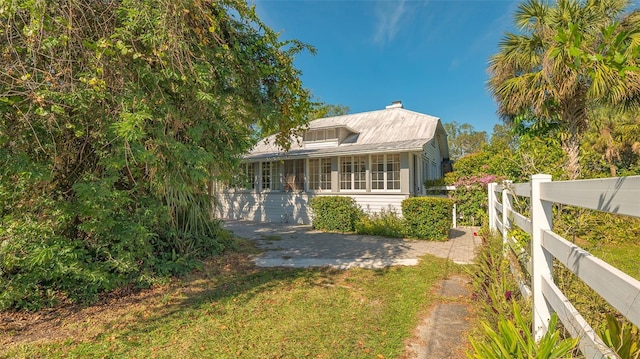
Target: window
{"type": "Point", "coordinates": [393, 171]}
{"type": "Point", "coordinates": [271, 176]}
{"type": "Point", "coordinates": [330, 134]}
{"type": "Point", "coordinates": [249, 175]}
{"type": "Point", "coordinates": [320, 174]}
{"type": "Point", "coordinates": [245, 178]}
{"type": "Point", "coordinates": [377, 172]}
{"type": "Point", "coordinates": [293, 177]}
{"type": "Point", "coordinates": [385, 172]}
{"type": "Point", "coordinates": [353, 173]}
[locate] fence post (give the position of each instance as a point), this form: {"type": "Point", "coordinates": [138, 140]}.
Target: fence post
{"type": "Point", "coordinates": [491, 188]}
{"type": "Point", "coordinates": [455, 216]}
{"type": "Point", "coordinates": [507, 198]}
{"type": "Point", "coordinates": [542, 261]}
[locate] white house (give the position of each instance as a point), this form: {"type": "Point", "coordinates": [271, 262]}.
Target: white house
{"type": "Point", "coordinates": [379, 158]}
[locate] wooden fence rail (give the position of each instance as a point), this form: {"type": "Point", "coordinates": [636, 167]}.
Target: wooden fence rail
{"type": "Point", "coordinates": [620, 195]}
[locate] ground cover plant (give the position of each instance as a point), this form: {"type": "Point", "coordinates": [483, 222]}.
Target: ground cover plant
{"type": "Point", "coordinates": [230, 309]}
{"type": "Point", "coordinates": [505, 330]}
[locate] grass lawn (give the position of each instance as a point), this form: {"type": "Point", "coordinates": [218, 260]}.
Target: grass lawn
{"type": "Point", "coordinates": [624, 256]}
{"type": "Point", "coordinates": [232, 309]}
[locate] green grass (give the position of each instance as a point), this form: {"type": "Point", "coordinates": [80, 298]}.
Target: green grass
{"type": "Point", "coordinates": [232, 309]}
{"type": "Point", "coordinates": [624, 256]}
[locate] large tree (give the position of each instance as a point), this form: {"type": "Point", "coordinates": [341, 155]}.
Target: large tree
{"type": "Point", "coordinates": [116, 114]}
{"type": "Point", "coordinates": [463, 139]}
{"type": "Point", "coordinates": [567, 57]}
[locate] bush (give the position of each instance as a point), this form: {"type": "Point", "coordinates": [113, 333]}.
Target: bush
{"type": "Point", "coordinates": [385, 223]}
{"type": "Point", "coordinates": [335, 213]}
{"type": "Point", "coordinates": [427, 217]}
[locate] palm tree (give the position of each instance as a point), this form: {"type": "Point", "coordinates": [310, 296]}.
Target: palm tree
{"type": "Point", "coordinates": [567, 58]}
{"type": "Point", "coordinates": [615, 137]}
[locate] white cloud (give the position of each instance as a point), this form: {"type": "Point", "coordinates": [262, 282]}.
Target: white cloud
{"type": "Point", "coordinates": [390, 19]}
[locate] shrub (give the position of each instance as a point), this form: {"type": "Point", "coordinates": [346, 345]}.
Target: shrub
{"type": "Point", "coordinates": [513, 339]}
{"type": "Point", "coordinates": [335, 213]}
{"type": "Point", "coordinates": [385, 223]}
{"type": "Point", "coordinates": [427, 217]}
{"type": "Point", "coordinates": [471, 198]}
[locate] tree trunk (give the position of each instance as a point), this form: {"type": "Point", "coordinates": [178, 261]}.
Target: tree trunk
{"type": "Point", "coordinates": [575, 118]}
{"type": "Point", "coordinates": [571, 147]}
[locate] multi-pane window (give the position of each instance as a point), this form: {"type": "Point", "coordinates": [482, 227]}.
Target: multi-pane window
{"type": "Point", "coordinates": [385, 172]}
{"type": "Point", "coordinates": [293, 176]}
{"type": "Point", "coordinates": [377, 172]}
{"type": "Point", "coordinates": [320, 174]}
{"type": "Point", "coordinates": [245, 177]}
{"type": "Point", "coordinates": [393, 171]}
{"type": "Point", "coordinates": [248, 175]}
{"type": "Point", "coordinates": [329, 134]}
{"type": "Point", "coordinates": [271, 176]}
{"type": "Point", "coordinates": [353, 173]}
{"type": "Point", "coordinates": [434, 171]}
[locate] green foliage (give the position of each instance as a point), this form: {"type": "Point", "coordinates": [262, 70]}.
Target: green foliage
{"type": "Point", "coordinates": [506, 323]}
{"type": "Point", "coordinates": [438, 182]}
{"type": "Point", "coordinates": [323, 109]}
{"type": "Point", "coordinates": [117, 118]}
{"type": "Point", "coordinates": [427, 217]}
{"type": "Point", "coordinates": [385, 224]}
{"type": "Point", "coordinates": [514, 340]}
{"type": "Point", "coordinates": [622, 337]}
{"type": "Point", "coordinates": [463, 139]}
{"type": "Point", "coordinates": [493, 285]}
{"type": "Point", "coordinates": [611, 146]}
{"type": "Point", "coordinates": [335, 213]}
{"type": "Point", "coordinates": [566, 56]}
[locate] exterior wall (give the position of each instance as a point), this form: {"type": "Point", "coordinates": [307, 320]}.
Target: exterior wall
{"type": "Point", "coordinates": [432, 154]}
{"type": "Point", "coordinates": [279, 207]}
{"type": "Point", "coordinates": [405, 173]}
{"type": "Point", "coordinates": [291, 207]}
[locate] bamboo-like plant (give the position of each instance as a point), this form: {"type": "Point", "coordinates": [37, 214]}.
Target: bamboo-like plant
{"type": "Point", "coordinates": [514, 340]}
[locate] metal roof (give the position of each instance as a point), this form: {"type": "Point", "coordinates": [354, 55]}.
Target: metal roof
{"type": "Point", "coordinates": [389, 130]}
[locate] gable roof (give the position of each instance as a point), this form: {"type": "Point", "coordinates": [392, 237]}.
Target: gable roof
{"type": "Point", "coordinates": [389, 130]}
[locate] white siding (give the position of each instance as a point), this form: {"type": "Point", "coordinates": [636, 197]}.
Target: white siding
{"type": "Point", "coordinates": [283, 207]}
{"type": "Point", "coordinates": [432, 154]}
{"type": "Point", "coordinates": [288, 207]}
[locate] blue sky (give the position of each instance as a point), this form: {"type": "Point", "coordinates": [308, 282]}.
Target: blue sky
{"type": "Point", "coordinates": [431, 55]}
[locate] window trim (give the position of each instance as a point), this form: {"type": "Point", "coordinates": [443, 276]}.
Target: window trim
{"type": "Point", "coordinates": [275, 176]}
{"type": "Point", "coordinates": [385, 173]}
{"type": "Point", "coordinates": [321, 164]}
{"type": "Point", "coordinates": [352, 173]}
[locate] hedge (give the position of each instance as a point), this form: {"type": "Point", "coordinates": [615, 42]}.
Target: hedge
{"type": "Point", "coordinates": [335, 213]}
{"type": "Point", "coordinates": [427, 217]}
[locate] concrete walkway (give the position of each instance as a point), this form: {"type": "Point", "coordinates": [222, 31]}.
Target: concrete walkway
{"type": "Point", "coordinates": [298, 246]}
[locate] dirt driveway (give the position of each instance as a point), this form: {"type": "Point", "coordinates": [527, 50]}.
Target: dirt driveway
{"type": "Point", "coordinates": [289, 245]}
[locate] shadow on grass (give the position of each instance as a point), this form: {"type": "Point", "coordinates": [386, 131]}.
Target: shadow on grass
{"type": "Point", "coordinates": [228, 278]}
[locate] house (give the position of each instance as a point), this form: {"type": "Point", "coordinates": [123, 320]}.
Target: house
{"type": "Point", "coordinates": [379, 158]}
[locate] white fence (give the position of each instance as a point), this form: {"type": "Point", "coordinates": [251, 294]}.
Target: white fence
{"type": "Point", "coordinates": [619, 195]}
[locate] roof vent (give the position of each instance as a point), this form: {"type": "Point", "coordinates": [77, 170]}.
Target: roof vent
{"type": "Point", "coordinates": [395, 104]}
